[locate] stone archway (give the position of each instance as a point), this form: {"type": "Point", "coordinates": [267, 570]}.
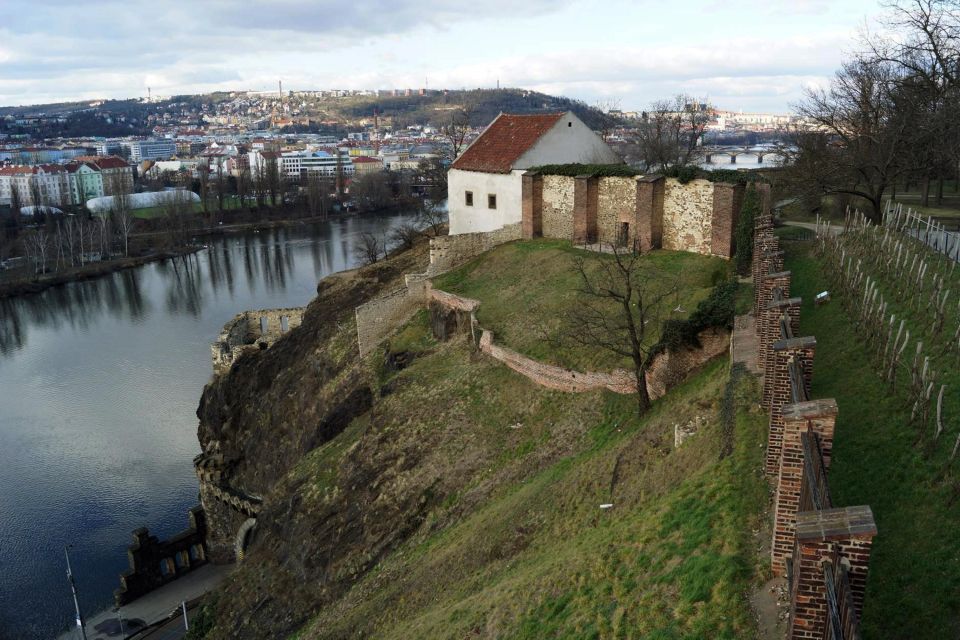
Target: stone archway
{"type": "Point", "coordinates": [243, 538]}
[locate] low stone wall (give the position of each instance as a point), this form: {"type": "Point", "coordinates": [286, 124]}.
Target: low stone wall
{"type": "Point", "coordinates": [667, 370]}
{"type": "Point", "coordinates": [551, 377]}
{"type": "Point", "coordinates": [154, 562]}
{"type": "Point", "coordinates": [687, 215]}
{"type": "Point", "coordinates": [447, 252]}
{"type": "Point", "coordinates": [670, 368]}
{"type": "Point", "coordinates": [251, 330]}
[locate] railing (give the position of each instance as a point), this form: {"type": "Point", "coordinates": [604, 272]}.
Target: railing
{"type": "Point", "coordinates": [842, 622]}
{"type": "Point", "coordinates": [926, 230]}
{"type": "Point", "coordinates": [814, 492]}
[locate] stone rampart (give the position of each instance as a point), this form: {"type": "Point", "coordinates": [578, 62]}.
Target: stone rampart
{"type": "Point", "coordinates": [251, 330]}
{"type": "Point", "coordinates": [380, 317]}
{"type": "Point", "coordinates": [154, 562]}
{"type": "Point", "coordinates": [670, 368]}
{"type": "Point", "coordinates": [447, 252]}
{"type": "Point", "coordinates": [688, 216]}
{"type": "Point", "coordinates": [648, 212]}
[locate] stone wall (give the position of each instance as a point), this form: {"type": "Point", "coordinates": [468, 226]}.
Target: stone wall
{"type": "Point", "coordinates": [551, 377]}
{"type": "Point", "coordinates": [558, 206]}
{"type": "Point", "coordinates": [251, 330]}
{"type": "Point", "coordinates": [154, 562]}
{"type": "Point", "coordinates": [617, 204]}
{"type": "Point", "coordinates": [381, 316]}
{"type": "Point", "coordinates": [447, 252]}
{"type": "Point", "coordinates": [667, 370]}
{"type": "Point", "coordinates": [688, 215]}
{"type": "Point", "coordinates": [698, 216]}
{"type": "Point", "coordinates": [670, 368]}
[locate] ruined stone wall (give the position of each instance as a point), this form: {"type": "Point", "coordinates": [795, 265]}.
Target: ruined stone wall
{"type": "Point", "coordinates": [382, 316]}
{"type": "Point", "coordinates": [670, 368]}
{"type": "Point", "coordinates": [251, 330]}
{"type": "Point", "coordinates": [154, 563]}
{"type": "Point", "coordinates": [551, 377]}
{"type": "Point", "coordinates": [617, 203]}
{"type": "Point", "coordinates": [687, 215]}
{"type": "Point", "coordinates": [447, 252]}
{"type": "Point", "coordinates": [558, 207]}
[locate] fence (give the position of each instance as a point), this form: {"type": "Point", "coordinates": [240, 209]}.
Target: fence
{"type": "Point", "coordinates": [926, 230]}
{"type": "Point", "coordinates": [823, 551]}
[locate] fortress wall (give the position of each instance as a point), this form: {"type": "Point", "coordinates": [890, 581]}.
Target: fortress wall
{"type": "Point", "coordinates": [688, 215]}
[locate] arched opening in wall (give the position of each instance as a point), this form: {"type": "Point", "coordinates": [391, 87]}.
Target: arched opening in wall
{"type": "Point", "coordinates": [182, 560]}
{"type": "Point", "coordinates": [167, 567]}
{"type": "Point", "coordinates": [244, 534]}
{"type": "Point", "coordinates": [264, 325]}
{"type": "Point", "coordinates": [197, 553]}
{"type": "Point", "coordinates": [284, 324]}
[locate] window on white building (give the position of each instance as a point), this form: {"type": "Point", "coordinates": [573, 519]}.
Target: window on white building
{"type": "Point", "coordinates": [491, 201]}
{"type": "Point", "coordinates": [468, 198]}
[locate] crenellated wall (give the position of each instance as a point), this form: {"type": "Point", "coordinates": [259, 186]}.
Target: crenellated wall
{"type": "Point", "coordinates": [154, 562]}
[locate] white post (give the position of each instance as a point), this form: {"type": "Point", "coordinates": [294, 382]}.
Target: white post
{"type": "Point", "coordinates": [186, 623]}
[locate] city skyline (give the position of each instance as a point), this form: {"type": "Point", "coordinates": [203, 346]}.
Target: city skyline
{"type": "Point", "coordinates": [738, 56]}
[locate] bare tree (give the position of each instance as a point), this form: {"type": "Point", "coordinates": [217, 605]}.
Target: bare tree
{"type": "Point", "coordinates": [860, 141]}
{"type": "Point", "coordinates": [403, 236]}
{"type": "Point", "coordinates": [620, 302]}
{"type": "Point", "coordinates": [431, 217]}
{"type": "Point", "coordinates": [457, 126]}
{"type": "Point", "coordinates": [367, 248]}
{"type": "Point", "coordinates": [121, 210]}
{"type": "Point", "coordinates": [671, 132]}
{"type": "Point", "coordinates": [371, 191]}
{"type": "Point", "coordinates": [37, 244]}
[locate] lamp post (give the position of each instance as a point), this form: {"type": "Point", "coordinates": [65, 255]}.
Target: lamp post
{"type": "Point", "coordinates": [73, 588]}
{"type": "Point", "coordinates": [123, 634]}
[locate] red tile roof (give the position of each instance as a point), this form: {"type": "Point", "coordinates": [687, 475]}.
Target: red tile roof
{"type": "Point", "coordinates": [365, 159]}
{"type": "Point", "coordinates": [504, 141]}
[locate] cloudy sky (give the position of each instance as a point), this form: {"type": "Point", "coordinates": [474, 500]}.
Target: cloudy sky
{"type": "Point", "coordinates": [742, 54]}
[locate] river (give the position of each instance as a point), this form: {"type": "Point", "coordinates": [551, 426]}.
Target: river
{"type": "Point", "coordinates": [99, 385]}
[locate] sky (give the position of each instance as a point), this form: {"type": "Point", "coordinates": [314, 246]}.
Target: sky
{"type": "Point", "coordinates": [745, 55]}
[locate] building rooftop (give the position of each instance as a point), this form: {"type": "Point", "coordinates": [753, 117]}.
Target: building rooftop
{"type": "Point", "coordinates": [502, 143]}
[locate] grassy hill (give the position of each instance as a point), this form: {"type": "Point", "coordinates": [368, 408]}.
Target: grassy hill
{"type": "Point", "coordinates": [458, 499]}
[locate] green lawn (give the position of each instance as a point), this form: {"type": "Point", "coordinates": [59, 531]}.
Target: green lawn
{"type": "Point", "coordinates": [527, 288]}
{"type": "Point", "coordinates": [913, 589]}
{"type": "Point", "coordinates": [229, 203]}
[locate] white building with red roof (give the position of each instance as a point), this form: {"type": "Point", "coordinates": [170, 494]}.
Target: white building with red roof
{"type": "Point", "coordinates": [484, 183]}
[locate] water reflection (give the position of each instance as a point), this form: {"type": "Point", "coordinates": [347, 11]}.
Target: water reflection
{"type": "Point", "coordinates": [99, 383]}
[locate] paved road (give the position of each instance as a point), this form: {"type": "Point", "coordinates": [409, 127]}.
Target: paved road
{"type": "Point", "coordinates": [153, 607]}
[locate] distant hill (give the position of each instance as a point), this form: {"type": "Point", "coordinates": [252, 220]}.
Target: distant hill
{"type": "Point", "coordinates": [130, 117]}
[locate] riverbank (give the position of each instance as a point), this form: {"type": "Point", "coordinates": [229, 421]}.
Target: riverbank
{"type": "Point", "coordinates": [40, 283]}
{"type": "Point", "coordinates": [36, 284]}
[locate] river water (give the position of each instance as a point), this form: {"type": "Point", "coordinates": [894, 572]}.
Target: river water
{"type": "Point", "coordinates": [99, 385]}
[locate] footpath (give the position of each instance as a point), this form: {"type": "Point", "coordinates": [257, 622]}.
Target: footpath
{"type": "Point", "coordinates": [152, 608]}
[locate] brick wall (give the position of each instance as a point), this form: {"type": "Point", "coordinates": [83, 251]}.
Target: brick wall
{"type": "Point", "coordinates": [585, 195]}
{"type": "Point", "coordinates": [727, 199]}
{"type": "Point", "coordinates": [810, 537]}
{"type": "Point", "coordinates": [531, 203]}
{"type": "Point", "coordinates": [649, 212]}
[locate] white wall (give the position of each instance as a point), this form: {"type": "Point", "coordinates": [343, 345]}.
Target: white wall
{"type": "Point", "coordinates": [569, 140]}
{"type": "Point", "coordinates": [464, 219]}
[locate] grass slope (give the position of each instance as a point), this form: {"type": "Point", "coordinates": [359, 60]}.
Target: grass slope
{"type": "Point", "coordinates": [913, 590]}
{"type": "Point", "coordinates": [519, 547]}
{"type": "Point", "coordinates": [525, 288]}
